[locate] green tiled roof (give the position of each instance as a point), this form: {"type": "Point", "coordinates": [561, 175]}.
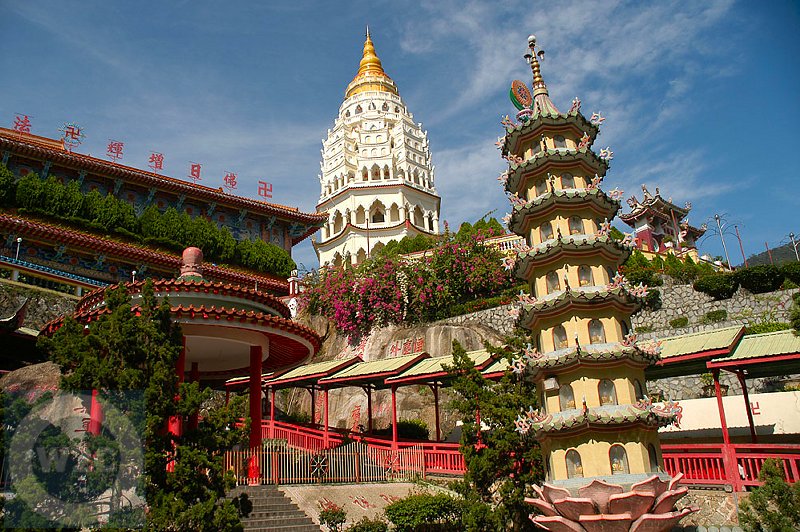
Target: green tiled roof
{"type": "Point", "coordinates": [436, 365]}
{"type": "Point", "coordinates": [310, 369]}
{"type": "Point", "coordinates": [560, 155]}
{"type": "Point", "coordinates": [562, 196]}
{"type": "Point", "coordinates": [498, 366]}
{"type": "Point", "coordinates": [374, 367]}
{"type": "Point", "coordinates": [689, 344]}
{"type": "Point", "coordinates": [766, 344]}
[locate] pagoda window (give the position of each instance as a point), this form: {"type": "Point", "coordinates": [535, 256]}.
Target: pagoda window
{"type": "Point", "coordinates": [546, 231]}
{"type": "Point", "coordinates": [377, 217]}
{"type": "Point", "coordinates": [536, 148]}
{"type": "Point", "coordinates": [559, 141]}
{"type": "Point", "coordinates": [430, 222]}
{"type": "Point", "coordinates": [608, 394]}
{"type": "Point", "coordinates": [574, 465]}
{"type": "Point", "coordinates": [396, 109]}
{"type": "Point", "coordinates": [364, 175]}
{"type": "Point", "coordinates": [347, 114]}
{"type": "Point", "coordinates": [638, 390]}
{"type": "Point", "coordinates": [597, 334]}
{"type": "Point", "coordinates": [361, 256]}
{"type": "Point", "coordinates": [394, 213]}
{"type": "Point", "coordinates": [376, 171]}
{"type": "Point", "coordinates": [358, 109]}
{"type": "Point", "coordinates": [619, 460]}
{"type": "Point", "coordinates": [418, 217]}
{"type": "Point", "coordinates": [338, 223]}
{"type": "Point", "coordinates": [360, 216]}
{"type": "Point", "coordinates": [371, 106]}
{"type": "Point", "coordinates": [652, 454]}
{"type": "Point", "coordinates": [540, 188]}
{"type": "Point", "coordinates": [385, 106]}
{"type": "Point", "coordinates": [560, 338]}
{"type": "Point", "coordinates": [575, 225]}
{"type": "Point", "coordinates": [585, 275]}
{"type": "Point", "coordinates": [567, 180]}
{"type": "Point", "coordinates": [566, 398]}
{"type": "Point", "coordinates": [626, 330]}
{"type": "Point", "coordinates": [553, 284]}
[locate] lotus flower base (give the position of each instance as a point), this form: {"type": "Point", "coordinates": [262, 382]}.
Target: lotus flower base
{"type": "Point", "coordinates": [647, 506]}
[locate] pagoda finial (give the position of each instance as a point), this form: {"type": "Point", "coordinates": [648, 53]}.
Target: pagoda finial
{"type": "Point", "coordinates": [541, 97]}
{"type": "Point", "coordinates": [370, 63]}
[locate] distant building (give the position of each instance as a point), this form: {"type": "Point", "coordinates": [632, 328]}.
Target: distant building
{"type": "Point", "coordinates": [660, 226]}
{"type": "Point", "coordinates": [377, 180]}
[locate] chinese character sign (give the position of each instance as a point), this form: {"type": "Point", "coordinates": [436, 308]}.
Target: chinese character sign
{"type": "Point", "coordinates": [230, 181]}
{"type": "Point", "coordinates": [22, 124]}
{"type": "Point", "coordinates": [194, 172]}
{"type": "Point", "coordinates": [264, 189]}
{"type": "Point", "coordinates": [156, 161]}
{"type": "Point", "coordinates": [73, 136]}
{"type": "Point", "coordinates": [114, 150]}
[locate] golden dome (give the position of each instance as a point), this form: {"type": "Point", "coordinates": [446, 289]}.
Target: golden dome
{"type": "Point", "coordinates": [370, 75]}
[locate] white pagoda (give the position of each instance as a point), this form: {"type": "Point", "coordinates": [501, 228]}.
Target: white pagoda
{"type": "Point", "coordinates": [377, 179]}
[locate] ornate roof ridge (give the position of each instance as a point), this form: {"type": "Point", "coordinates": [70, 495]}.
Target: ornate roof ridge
{"type": "Point", "coordinates": [585, 155]}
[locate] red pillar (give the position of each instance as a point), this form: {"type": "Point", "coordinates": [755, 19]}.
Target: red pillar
{"type": "Point", "coordinates": [313, 406]}
{"type": "Point", "coordinates": [728, 454]}
{"type": "Point", "coordinates": [95, 415]}
{"type": "Point", "coordinates": [394, 416]}
{"type": "Point", "coordinates": [176, 422]}
{"type": "Point", "coordinates": [753, 436]}
{"type": "Point", "coordinates": [435, 389]}
{"type": "Point", "coordinates": [369, 409]}
{"type": "Point", "coordinates": [271, 412]}
{"type": "Point", "coordinates": [325, 437]}
{"type": "Point", "coordinates": [195, 376]}
{"type": "Point", "coordinates": [256, 357]}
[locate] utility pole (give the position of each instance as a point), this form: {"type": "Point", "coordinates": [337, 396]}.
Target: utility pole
{"type": "Point", "coordinates": [741, 247]}
{"type": "Point", "coordinates": [721, 237]}
{"type": "Point", "coordinates": [769, 252]}
{"type": "Point", "coordinates": [794, 245]}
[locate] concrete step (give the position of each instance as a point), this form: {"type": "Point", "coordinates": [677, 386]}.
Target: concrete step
{"type": "Point", "coordinates": [273, 511]}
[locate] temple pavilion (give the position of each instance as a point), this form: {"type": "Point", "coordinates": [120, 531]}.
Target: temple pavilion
{"type": "Point", "coordinates": [661, 226]}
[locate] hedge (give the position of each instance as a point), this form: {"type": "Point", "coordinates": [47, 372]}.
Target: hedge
{"type": "Point", "coordinates": [791, 270]}
{"type": "Point", "coordinates": [718, 285]}
{"type": "Point", "coordinates": [425, 512]}
{"type": "Point", "coordinates": [680, 321]}
{"type": "Point", "coordinates": [715, 316]}
{"type": "Point", "coordinates": [761, 278]}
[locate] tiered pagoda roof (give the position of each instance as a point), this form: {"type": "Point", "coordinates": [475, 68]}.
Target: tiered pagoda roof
{"type": "Point", "coordinates": [655, 207]}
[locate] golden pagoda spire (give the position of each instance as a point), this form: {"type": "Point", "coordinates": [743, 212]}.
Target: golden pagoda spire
{"type": "Point", "coordinates": [370, 75]}
{"type": "Point", "coordinates": [541, 98]}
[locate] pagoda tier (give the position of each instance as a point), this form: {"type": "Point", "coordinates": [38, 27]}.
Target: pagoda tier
{"type": "Point", "coordinates": [591, 204]}
{"type": "Point", "coordinates": [583, 164]}
{"type": "Point", "coordinates": [553, 253]}
{"type": "Point", "coordinates": [594, 419]}
{"type": "Point", "coordinates": [521, 136]}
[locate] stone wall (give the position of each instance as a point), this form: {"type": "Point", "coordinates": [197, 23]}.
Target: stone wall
{"type": "Point", "coordinates": [496, 318]}
{"type": "Point", "coordinates": [44, 305]}
{"type": "Point", "coordinates": [681, 300]}
{"type": "Point", "coordinates": [718, 510]}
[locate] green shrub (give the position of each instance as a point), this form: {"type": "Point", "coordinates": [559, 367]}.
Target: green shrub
{"type": "Point", "coordinates": [653, 299]}
{"type": "Point", "coordinates": [412, 429]}
{"type": "Point", "coordinates": [684, 271]}
{"type": "Point", "coordinates": [8, 187]}
{"type": "Point", "coordinates": [645, 329]}
{"type": "Point", "coordinates": [297, 417]}
{"type": "Point", "coordinates": [773, 506]}
{"type": "Point", "coordinates": [794, 314]}
{"type": "Point", "coordinates": [715, 316]}
{"type": "Point", "coordinates": [767, 326]}
{"type": "Point", "coordinates": [761, 278]}
{"type": "Point", "coordinates": [677, 323]}
{"type": "Point", "coordinates": [424, 511]}
{"type": "Point", "coordinates": [720, 285]}
{"type": "Point", "coordinates": [791, 270]}
{"type": "Point", "coordinates": [369, 525]}
{"type": "Point", "coordinates": [637, 269]}
{"type": "Point", "coordinates": [333, 517]}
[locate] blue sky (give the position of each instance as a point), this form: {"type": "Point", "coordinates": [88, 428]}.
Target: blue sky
{"type": "Point", "coordinates": [701, 98]}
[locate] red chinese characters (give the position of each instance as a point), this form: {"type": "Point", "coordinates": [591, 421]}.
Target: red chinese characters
{"type": "Point", "coordinates": [22, 124]}
{"type": "Point", "coordinates": [73, 136]}
{"type": "Point", "coordinates": [114, 150]}
{"type": "Point", "coordinates": [264, 189]}
{"type": "Point", "coordinates": [229, 181]}
{"type": "Point", "coordinates": [194, 172]}
{"type": "Point", "coordinates": [156, 161]}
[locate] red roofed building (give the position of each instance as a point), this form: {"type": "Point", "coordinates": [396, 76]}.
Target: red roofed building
{"type": "Point", "coordinates": [661, 226]}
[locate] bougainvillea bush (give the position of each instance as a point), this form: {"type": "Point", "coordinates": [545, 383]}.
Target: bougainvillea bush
{"type": "Point", "coordinates": [391, 290]}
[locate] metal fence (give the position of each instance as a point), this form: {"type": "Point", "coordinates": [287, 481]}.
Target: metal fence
{"type": "Point", "coordinates": [279, 463]}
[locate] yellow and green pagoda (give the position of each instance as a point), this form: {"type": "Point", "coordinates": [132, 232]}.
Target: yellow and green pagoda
{"type": "Point", "coordinates": [594, 421]}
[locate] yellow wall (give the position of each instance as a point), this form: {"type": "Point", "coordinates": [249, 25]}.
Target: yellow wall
{"type": "Point", "coordinates": [594, 452]}
{"type": "Point", "coordinates": [609, 317]}
{"type": "Point", "coordinates": [571, 266]}
{"type": "Point", "coordinates": [585, 383]}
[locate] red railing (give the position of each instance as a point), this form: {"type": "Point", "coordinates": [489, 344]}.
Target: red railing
{"type": "Point", "coordinates": [299, 436]}
{"type": "Point", "coordinates": [737, 465]}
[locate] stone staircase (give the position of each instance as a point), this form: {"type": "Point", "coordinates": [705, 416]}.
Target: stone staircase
{"type": "Point", "coordinates": [273, 511]}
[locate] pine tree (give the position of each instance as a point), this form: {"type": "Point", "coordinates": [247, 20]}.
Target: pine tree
{"type": "Point", "coordinates": [129, 351]}
{"type": "Point", "coordinates": [500, 463]}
